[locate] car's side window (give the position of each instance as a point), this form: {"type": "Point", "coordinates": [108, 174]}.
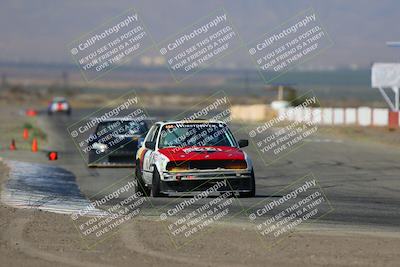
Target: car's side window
{"type": "Point", "coordinates": [154, 138]}
{"type": "Point", "coordinates": [152, 135]}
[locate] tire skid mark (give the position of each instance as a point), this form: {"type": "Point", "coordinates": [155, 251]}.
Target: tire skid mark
{"type": "Point", "coordinates": [45, 187]}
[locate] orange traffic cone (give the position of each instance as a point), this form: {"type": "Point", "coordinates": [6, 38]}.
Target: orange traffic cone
{"type": "Point", "coordinates": [53, 155]}
{"type": "Point", "coordinates": [34, 145]}
{"type": "Point", "coordinates": [31, 112]}
{"type": "Point", "coordinates": [26, 134]}
{"type": "Point", "coordinates": [12, 146]}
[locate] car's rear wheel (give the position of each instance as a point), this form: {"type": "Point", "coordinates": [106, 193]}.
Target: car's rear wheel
{"type": "Point", "coordinates": [156, 185]}
{"type": "Point", "coordinates": [252, 192]}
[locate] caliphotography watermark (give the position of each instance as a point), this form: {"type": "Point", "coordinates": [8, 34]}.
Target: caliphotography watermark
{"type": "Point", "coordinates": [110, 45]}
{"type": "Point", "coordinates": [288, 130]}
{"type": "Point", "coordinates": [108, 210]}
{"type": "Point", "coordinates": [110, 134]}
{"type": "Point", "coordinates": [276, 217]}
{"type": "Point", "coordinates": [193, 215]}
{"type": "Point", "coordinates": [200, 45]}
{"type": "Point", "coordinates": [299, 39]}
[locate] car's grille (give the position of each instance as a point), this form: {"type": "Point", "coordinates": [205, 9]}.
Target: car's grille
{"type": "Point", "coordinates": [130, 146]}
{"type": "Point", "coordinates": [206, 165]}
{"type": "Point", "coordinates": [121, 159]}
{"type": "Point", "coordinates": [125, 145]}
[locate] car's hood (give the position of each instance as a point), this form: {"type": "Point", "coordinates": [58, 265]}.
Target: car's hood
{"type": "Point", "coordinates": [120, 137]}
{"type": "Point", "coordinates": [202, 153]}
{"type": "Point", "coordinates": [128, 136]}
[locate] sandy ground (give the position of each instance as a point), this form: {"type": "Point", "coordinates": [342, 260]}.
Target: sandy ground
{"type": "Point", "coordinates": [35, 238]}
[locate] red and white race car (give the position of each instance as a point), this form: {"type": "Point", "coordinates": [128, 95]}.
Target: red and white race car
{"type": "Point", "coordinates": [191, 156]}
{"type": "Point", "coordinates": [59, 105]}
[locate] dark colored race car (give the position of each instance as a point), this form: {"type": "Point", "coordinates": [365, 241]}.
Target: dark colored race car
{"type": "Point", "coordinates": [59, 105]}
{"type": "Point", "coordinates": [115, 142]}
{"type": "Point", "coordinates": [191, 156]}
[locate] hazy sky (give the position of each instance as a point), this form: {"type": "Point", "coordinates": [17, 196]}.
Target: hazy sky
{"type": "Point", "coordinates": [38, 31]}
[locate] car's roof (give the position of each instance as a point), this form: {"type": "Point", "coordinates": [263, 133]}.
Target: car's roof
{"type": "Point", "coordinates": [59, 99]}
{"type": "Point", "coordinates": [146, 119]}
{"type": "Point", "coordinates": [190, 122]}
{"type": "Point", "coordinates": [121, 119]}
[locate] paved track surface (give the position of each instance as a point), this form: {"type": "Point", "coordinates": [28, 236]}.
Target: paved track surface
{"type": "Point", "coordinates": [361, 180]}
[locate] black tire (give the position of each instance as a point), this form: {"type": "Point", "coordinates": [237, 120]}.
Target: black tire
{"type": "Point", "coordinates": [156, 184]}
{"type": "Point", "coordinates": [252, 192]}
{"type": "Point", "coordinates": [92, 159]}
{"type": "Point", "coordinates": [69, 112]}
{"type": "Point", "coordinates": [140, 184]}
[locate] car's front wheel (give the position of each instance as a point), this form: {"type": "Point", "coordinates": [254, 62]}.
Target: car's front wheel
{"type": "Point", "coordinates": [140, 184]}
{"type": "Point", "coordinates": [252, 192]}
{"type": "Point", "coordinates": [156, 185]}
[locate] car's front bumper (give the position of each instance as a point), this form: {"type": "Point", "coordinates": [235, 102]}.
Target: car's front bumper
{"type": "Point", "coordinates": [237, 181]}
{"type": "Point", "coordinates": [206, 175]}
{"type": "Point", "coordinates": [119, 158]}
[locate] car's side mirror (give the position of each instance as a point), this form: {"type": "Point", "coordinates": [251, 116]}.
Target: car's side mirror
{"type": "Point", "coordinates": [150, 145]}
{"type": "Point", "coordinates": [243, 143]}
{"type": "Point", "coordinates": [140, 142]}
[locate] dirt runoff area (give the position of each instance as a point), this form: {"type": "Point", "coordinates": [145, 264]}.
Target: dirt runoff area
{"type": "Point", "coordinates": [30, 237]}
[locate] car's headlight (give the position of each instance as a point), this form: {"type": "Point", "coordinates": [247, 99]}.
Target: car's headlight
{"type": "Point", "coordinates": [236, 165]}
{"type": "Point", "coordinates": [177, 166]}
{"type": "Point", "coordinates": [100, 147]}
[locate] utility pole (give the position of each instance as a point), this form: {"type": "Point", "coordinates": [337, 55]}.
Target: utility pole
{"type": "Point", "coordinates": [65, 82]}
{"type": "Point", "coordinates": [280, 92]}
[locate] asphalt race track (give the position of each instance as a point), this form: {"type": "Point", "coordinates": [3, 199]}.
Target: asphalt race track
{"type": "Point", "coordinates": [360, 180]}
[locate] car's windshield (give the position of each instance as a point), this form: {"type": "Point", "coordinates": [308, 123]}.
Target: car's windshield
{"type": "Point", "coordinates": [59, 99]}
{"type": "Point", "coordinates": [196, 134]}
{"type": "Point", "coordinates": [122, 127]}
